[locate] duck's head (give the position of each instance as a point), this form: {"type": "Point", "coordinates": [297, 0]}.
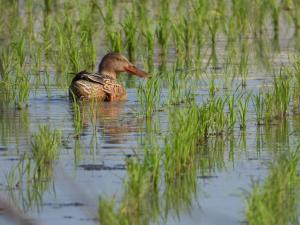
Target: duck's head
{"type": "Point", "coordinates": [114, 63]}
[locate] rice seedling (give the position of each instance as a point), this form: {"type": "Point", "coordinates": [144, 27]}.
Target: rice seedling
{"type": "Point", "coordinates": [115, 41]}
{"type": "Point", "coordinates": [61, 52]}
{"type": "Point", "coordinates": [130, 29]}
{"type": "Point", "coordinates": [47, 83]}
{"type": "Point", "coordinates": [88, 51]}
{"type": "Point", "coordinates": [150, 40]}
{"type": "Point", "coordinates": [212, 86]}
{"type": "Point", "coordinates": [162, 31]}
{"type": "Point", "coordinates": [243, 66]}
{"type": "Point", "coordinates": [295, 73]}
{"type": "Point", "coordinates": [181, 88]}
{"type": "Point", "coordinates": [188, 39]}
{"type": "Point", "coordinates": [36, 58]}
{"type": "Point", "coordinates": [149, 96]}
{"type": "Point", "coordinates": [22, 88]}
{"type": "Point", "coordinates": [232, 115]}
{"type": "Point", "coordinates": [6, 68]}
{"type": "Point", "coordinates": [19, 48]}
{"type": "Point", "coordinates": [141, 9]}
{"type": "Point", "coordinates": [282, 95]}
{"type": "Point", "coordinates": [200, 8]}
{"type": "Point", "coordinates": [243, 102]}
{"type": "Point", "coordinates": [45, 146]}
{"type": "Point", "coordinates": [217, 115]}
{"type": "Point", "coordinates": [75, 58]}
{"type": "Point", "coordinates": [294, 10]}
{"type": "Point", "coordinates": [6, 63]}
{"type": "Point", "coordinates": [275, 201]}
{"type": "Point", "coordinates": [268, 105]}
{"type": "Point", "coordinates": [178, 38]}
{"type": "Point", "coordinates": [275, 8]}
{"type": "Point", "coordinates": [258, 102]}
{"type": "Point", "coordinates": [140, 196]}
{"type": "Point", "coordinates": [183, 36]}
{"type": "Point", "coordinates": [109, 17]}
{"type": "Point", "coordinates": [213, 24]}
{"type": "Point", "coordinates": [180, 144]}
{"type": "Point", "coordinates": [259, 16]}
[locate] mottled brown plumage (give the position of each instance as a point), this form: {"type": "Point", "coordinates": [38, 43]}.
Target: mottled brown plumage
{"type": "Point", "coordinates": [103, 85]}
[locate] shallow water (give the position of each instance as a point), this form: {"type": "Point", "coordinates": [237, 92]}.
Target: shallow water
{"type": "Point", "coordinates": [97, 167]}
{"type": "Point", "coordinates": [92, 165]}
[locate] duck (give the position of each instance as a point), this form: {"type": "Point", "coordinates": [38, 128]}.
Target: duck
{"type": "Point", "coordinates": [103, 84]}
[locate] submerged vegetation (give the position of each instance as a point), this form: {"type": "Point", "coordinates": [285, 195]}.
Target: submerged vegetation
{"type": "Point", "coordinates": [203, 56]}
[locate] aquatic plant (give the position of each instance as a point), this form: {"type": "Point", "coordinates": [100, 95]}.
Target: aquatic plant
{"type": "Point", "coordinates": [162, 29]}
{"type": "Point", "coordinates": [45, 146]}
{"type": "Point", "coordinates": [130, 29]}
{"type": "Point", "coordinates": [19, 47]}
{"type": "Point", "coordinates": [149, 96]}
{"type": "Point", "coordinates": [22, 87]}
{"type": "Point", "coordinates": [268, 105]}
{"type": "Point", "coordinates": [217, 115]}
{"type": "Point", "coordinates": [232, 115]}
{"type": "Point", "coordinates": [178, 39]}
{"type": "Point", "coordinates": [295, 74]}
{"type": "Point", "coordinates": [275, 201]}
{"type": "Point", "coordinates": [282, 94]}
{"type": "Point", "coordinates": [180, 90]}
{"type": "Point", "coordinates": [141, 192]}
{"type": "Point", "coordinates": [181, 142]}
{"type": "Point", "coordinates": [258, 102]}
{"type": "Point", "coordinates": [243, 102]}
{"type": "Point", "coordinates": [150, 40]}
{"type": "Point", "coordinates": [243, 66]}
{"type": "Point", "coordinates": [115, 41]}
{"type": "Point", "coordinates": [6, 83]}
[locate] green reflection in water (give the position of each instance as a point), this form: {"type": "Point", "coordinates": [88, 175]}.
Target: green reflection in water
{"type": "Point", "coordinates": [32, 176]}
{"type": "Point", "coordinates": [276, 200]}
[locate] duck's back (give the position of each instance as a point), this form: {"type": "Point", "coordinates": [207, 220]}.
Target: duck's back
{"type": "Point", "coordinates": [87, 85]}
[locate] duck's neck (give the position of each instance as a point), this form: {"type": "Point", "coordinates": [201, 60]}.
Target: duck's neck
{"type": "Point", "coordinates": [110, 73]}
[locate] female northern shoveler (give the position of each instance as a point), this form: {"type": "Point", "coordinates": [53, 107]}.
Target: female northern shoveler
{"type": "Point", "coordinates": [103, 85]}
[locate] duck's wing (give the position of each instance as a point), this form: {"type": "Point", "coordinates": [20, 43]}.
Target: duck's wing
{"type": "Point", "coordinates": [109, 84]}
{"type": "Point", "coordinates": [92, 77]}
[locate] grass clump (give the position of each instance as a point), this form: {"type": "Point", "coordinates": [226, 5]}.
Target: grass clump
{"type": "Point", "coordinates": [258, 102]}
{"type": "Point", "coordinates": [139, 203]}
{"type": "Point", "coordinates": [282, 94]}
{"type": "Point", "coordinates": [45, 145]}
{"type": "Point", "coordinates": [243, 103]}
{"type": "Point", "coordinates": [130, 30]}
{"type": "Point", "coordinates": [180, 87]}
{"type": "Point", "coordinates": [180, 144]}
{"type": "Point", "coordinates": [149, 96]}
{"type": "Point", "coordinates": [276, 201]}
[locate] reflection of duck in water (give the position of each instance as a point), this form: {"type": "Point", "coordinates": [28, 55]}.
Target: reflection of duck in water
{"type": "Point", "coordinates": [103, 85]}
{"type": "Point", "coordinates": [113, 120]}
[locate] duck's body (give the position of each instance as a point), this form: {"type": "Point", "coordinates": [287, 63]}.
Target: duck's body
{"type": "Point", "coordinates": [97, 86]}
{"type": "Point", "coordinates": [103, 85]}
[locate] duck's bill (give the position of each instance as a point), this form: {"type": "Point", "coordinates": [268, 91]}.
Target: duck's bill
{"type": "Point", "coordinates": [135, 71]}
